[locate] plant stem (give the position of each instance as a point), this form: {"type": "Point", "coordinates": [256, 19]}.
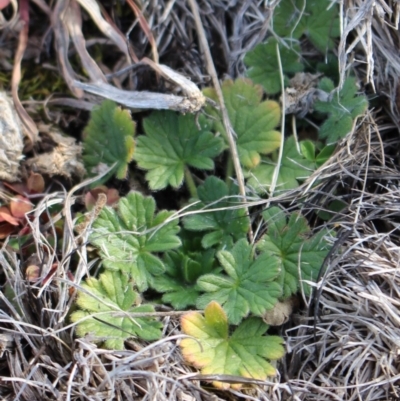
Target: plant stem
{"type": "Point", "coordinates": [190, 184]}
{"type": "Point", "coordinates": [225, 118]}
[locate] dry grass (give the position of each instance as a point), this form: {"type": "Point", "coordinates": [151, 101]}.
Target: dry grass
{"type": "Point", "coordinates": [343, 345]}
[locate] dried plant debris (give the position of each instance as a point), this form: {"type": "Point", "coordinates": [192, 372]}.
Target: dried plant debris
{"type": "Point", "coordinates": [281, 312]}
{"type": "Point", "coordinates": [301, 93]}
{"type": "Point", "coordinates": [11, 140]}
{"type": "Point", "coordinates": [64, 160]}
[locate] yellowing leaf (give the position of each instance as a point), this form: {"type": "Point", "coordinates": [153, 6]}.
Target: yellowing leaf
{"type": "Point", "coordinates": [128, 243]}
{"type": "Point", "coordinates": [294, 167]}
{"type": "Point", "coordinates": [107, 312]}
{"type": "Point", "coordinates": [253, 121]}
{"type": "Point", "coordinates": [245, 353]}
{"type": "Point", "coordinates": [108, 139]}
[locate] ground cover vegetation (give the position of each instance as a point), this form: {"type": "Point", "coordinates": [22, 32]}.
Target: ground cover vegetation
{"type": "Point", "coordinates": [206, 259]}
{"type": "Point", "coordinates": [171, 219]}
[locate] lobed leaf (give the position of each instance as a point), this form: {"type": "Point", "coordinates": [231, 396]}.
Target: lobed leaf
{"type": "Point", "coordinates": [173, 142]}
{"type": "Point", "coordinates": [108, 139]}
{"type": "Point", "coordinates": [102, 305]}
{"type": "Point", "coordinates": [264, 67]}
{"type": "Point", "coordinates": [253, 121]}
{"type": "Point", "coordinates": [300, 253]}
{"type": "Point", "coordinates": [246, 287]}
{"type": "Point", "coordinates": [317, 19]}
{"type": "Point", "coordinates": [128, 237]}
{"type": "Point", "coordinates": [223, 226]}
{"type": "Point", "coordinates": [319, 157]}
{"type": "Point", "coordinates": [245, 353]}
{"type": "Point", "coordinates": [182, 271]}
{"type": "Point", "coordinates": [294, 168]}
{"type": "Point", "coordinates": [342, 109]}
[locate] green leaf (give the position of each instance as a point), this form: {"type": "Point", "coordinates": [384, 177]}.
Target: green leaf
{"type": "Point", "coordinates": [317, 19]}
{"type": "Point", "coordinates": [172, 142]}
{"type": "Point", "coordinates": [294, 167]}
{"type": "Point", "coordinates": [102, 305]}
{"type": "Point", "coordinates": [182, 272]}
{"type": "Point", "coordinates": [327, 85]}
{"type": "Point", "coordinates": [246, 352]}
{"type": "Point", "coordinates": [343, 108]}
{"type": "Point", "coordinates": [247, 285]}
{"type": "Point", "coordinates": [223, 226]}
{"type": "Point", "coordinates": [301, 254]}
{"type": "Point", "coordinates": [324, 155]}
{"type": "Point", "coordinates": [253, 121]}
{"type": "Point", "coordinates": [308, 150]}
{"type": "Point", "coordinates": [264, 68]}
{"type": "Point", "coordinates": [108, 139]}
{"type": "Point", "coordinates": [329, 67]}
{"type": "Point", "coordinates": [127, 237]}
{"type": "Point", "coordinates": [332, 210]}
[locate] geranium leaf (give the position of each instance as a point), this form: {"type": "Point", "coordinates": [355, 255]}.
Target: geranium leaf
{"type": "Point", "coordinates": [308, 150]}
{"type": "Point", "coordinates": [247, 285]}
{"type": "Point", "coordinates": [317, 19]}
{"type": "Point", "coordinates": [126, 240]}
{"type": "Point", "coordinates": [172, 142]}
{"type": "Point", "coordinates": [246, 352]}
{"type": "Point", "coordinates": [108, 139]}
{"type": "Point", "coordinates": [182, 271]}
{"type": "Point", "coordinates": [264, 68]}
{"type": "Point", "coordinates": [102, 305]}
{"type": "Point", "coordinates": [301, 254]}
{"type": "Point", "coordinates": [342, 109]}
{"type": "Point", "coordinates": [294, 167]}
{"type": "Point", "coordinates": [223, 226]}
{"type": "Point", "coordinates": [253, 121]}
{"type": "Point", "coordinates": [324, 154]}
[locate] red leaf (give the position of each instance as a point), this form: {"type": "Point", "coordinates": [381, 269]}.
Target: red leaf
{"type": "Point", "coordinates": [112, 196]}
{"type": "Point", "coordinates": [19, 206]}
{"type": "Point", "coordinates": [6, 229]}
{"type": "Point", "coordinates": [5, 215]}
{"type": "Point", "coordinates": [25, 230]}
{"type": "Point", "coordinates": [51, 273]}
{"type": "Point", "coordinates": [17, 187]}
{"type": "Point", "coordinates": [90, 201]}
{"type": "Point", "coordinates": [35, 183]}
{"type": "Point", "coordinates": [4, 4]}
{"type": "Point", "coordinates": [71, 289]}
{"type": "Point", "coordinates": [92, 196]}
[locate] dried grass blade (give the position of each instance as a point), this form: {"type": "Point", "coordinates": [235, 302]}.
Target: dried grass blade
{"type": "Point", "coordinates": [30, 127]}
{"type": "Point", "coordinates": [146, 28]}
{"type": "Point", "coordinates": [111, 32]}
{"type": "Point", "coordinates": [74, 23]}
{"type": "Point", "coordinates": [61, 43]}
{"type": "Point", "coordinates": [227, 125]}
